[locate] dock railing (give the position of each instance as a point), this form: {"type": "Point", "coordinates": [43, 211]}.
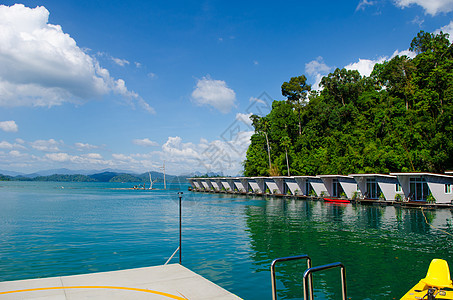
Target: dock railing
{"type": "Point", "coordinates": [308, 279]}
{"type": "Point", "coordinates": [289, 258]}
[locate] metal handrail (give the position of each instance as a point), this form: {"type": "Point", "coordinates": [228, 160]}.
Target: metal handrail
{"type": "Point", "coordinates": [171, 257]}
{"type": "Point", "coordinates": [289, 258]}
{"type": "Point", "coordinates": [308, 280]}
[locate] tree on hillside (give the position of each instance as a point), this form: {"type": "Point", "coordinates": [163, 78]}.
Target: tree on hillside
{"type": "Point", "coordinates": [262, 126]}
{"type": "Point", "coordinates": [296, 92]}
{"type": "Point", "coordinates": [396, 76]}
{"type": "Point", "coordinates": [285, 141]}
{"type": "Point", "coordinates": [343, 85]}
{"type": "Point", "coordinates": [433, 75]}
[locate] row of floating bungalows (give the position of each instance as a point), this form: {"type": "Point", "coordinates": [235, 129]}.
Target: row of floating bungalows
{"type": "Point", "coordinates": [393, 187]}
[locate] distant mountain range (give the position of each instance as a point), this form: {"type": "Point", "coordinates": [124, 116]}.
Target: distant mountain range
{"type": "Point", "coordinates": [62, 171]}
{"type": "Point", "coordinates": [107, 175]}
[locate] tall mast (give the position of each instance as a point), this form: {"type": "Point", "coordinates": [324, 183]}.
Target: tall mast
{"type": "Point", "coordinates": [165, 182]}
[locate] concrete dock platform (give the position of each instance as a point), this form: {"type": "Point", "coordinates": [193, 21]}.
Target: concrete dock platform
{"type": "Point", "coordinates": [160, 282]}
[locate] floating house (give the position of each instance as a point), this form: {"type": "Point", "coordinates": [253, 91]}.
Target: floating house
{"type": "Point", "coordinates": [309, 186]}
{"type": "Point", "coordinates": [226, 184]}
{"type": "Point", "coordinates": [206, 184]}
{"type": "Point", "coordinates": [195, 183]}
{"type": "Point", "coordinates": [419, 187]}
{"type": "Point", "coordinates": [378, 186]}
{"type": "Point", "coordinates": [400, 187]}
{"type": "Point", "coordinates": [291, 186]}
{"type": "Point", "coordinates": [339, 185]}
{"type": "Point", "coordinates": [255, 185]}
{"type": "Point", "coordinates": [281, 185]}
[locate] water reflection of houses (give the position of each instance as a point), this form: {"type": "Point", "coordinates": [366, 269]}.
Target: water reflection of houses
{"type": "Point", "coordinates": [415, 188]}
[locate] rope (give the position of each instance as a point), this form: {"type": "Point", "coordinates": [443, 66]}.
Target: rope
{"type": "Point", "coordinates": [434, 227]}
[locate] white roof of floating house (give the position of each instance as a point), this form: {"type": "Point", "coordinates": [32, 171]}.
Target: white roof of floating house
{"type": "Point", "coordinates": [334, 176]}
{"type": "Point", "coordinates": [422, 174]}
{"type": "Point", "coordinates": [373, 175]}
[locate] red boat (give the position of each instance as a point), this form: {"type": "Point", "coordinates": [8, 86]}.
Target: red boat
{"type": "Point", "coordinates": [337, 200]}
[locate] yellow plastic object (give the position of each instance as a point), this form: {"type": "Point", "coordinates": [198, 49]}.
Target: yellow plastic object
{"type": "Point", "coordinates": [438, 274]}
{"type": "Point", "coordinates": [438, 278]}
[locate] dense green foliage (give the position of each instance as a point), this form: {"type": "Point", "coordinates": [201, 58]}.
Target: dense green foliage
{"type": "Point", "coordinates": [398, 119]}
{"type": "Point", "coordinates": [125, 178]}
{"type": "Point", "coordinates": [5, 177]}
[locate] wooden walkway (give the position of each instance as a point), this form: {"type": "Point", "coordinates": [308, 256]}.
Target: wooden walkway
{"type": "Point", "coordinates": [160, 282]}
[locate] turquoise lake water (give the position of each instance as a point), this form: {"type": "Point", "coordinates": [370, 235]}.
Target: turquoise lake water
{"type": "Point", "coordinates": [53, 229]}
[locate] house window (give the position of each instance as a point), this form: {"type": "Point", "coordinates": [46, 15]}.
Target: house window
{"type": "Point", "coordinates": [448, 189]}
{"type": "Point", "coordinates": [398, 187]}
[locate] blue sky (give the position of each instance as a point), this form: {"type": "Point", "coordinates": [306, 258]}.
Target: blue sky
{"type": "Point", "coordinates": [131, 84]}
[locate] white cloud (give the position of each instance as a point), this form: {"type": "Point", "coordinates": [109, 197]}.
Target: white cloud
{"type": "Point", "coordinates": [78, 161]}
{"type": "Point", "coordinates": [364, 66]}
{"type": "Point", "coordinates": [85, 146]}
{"type": "Point", "coordinates": [214, 93]}
{"type": "Point", "coordinates": [447, 29]}
{"type": "Point", "coordinates": [43, 66]}
{"type": "Point", "coordinates": [256, 100]}
{"type": "Point", "coordinates": [317, 69]}
{"type": "Point", "coordinates": [363, 3]}
{"type": "Point", "coordinates": [8, 145]}
{"type": "Point", "coordinates": [432, 7]}
{"type": "Point", "coordinates": [316, 66]}
{"type": "Point", "coordinates": [9, 126]}
{"type": "Point", "coordinates": [145, 142]}
{"type": "Point", "coordinates": [47, 146]}
{"type": "Point", "coordinates": [119, 61]}
{"type": "Point", "coordinates": [5, 145]}
{"type": "Point", "coordinates": [406, 52]}
{"type": "Point", "coordinates": [92, 155]}
{"type": "Point", "coordinates": [59, 157]}
{"type": "Point", "coordinates": [15, 153]}
{"type": "Point", "coordinates": [125, 160]}
{"type": "Point", "coordinates": [417, 20]}
{"type": "Point", "coordinates": [244, 118]}
{"type": "Point", "coordinates": [145, 106]}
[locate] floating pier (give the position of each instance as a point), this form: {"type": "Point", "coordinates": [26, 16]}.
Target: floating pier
{"type": "Point", "coordinates": [172, 281]}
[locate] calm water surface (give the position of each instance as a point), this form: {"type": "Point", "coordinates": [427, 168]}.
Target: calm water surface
{"type": "Point", "coordinates": [53, 229]}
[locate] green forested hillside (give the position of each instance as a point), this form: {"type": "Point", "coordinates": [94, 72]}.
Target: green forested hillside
{"type": "Point", "coordinates": [400, 118]}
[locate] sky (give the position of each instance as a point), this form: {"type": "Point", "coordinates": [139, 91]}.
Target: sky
{"type": "Point", "coordinates": [133, 85]}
